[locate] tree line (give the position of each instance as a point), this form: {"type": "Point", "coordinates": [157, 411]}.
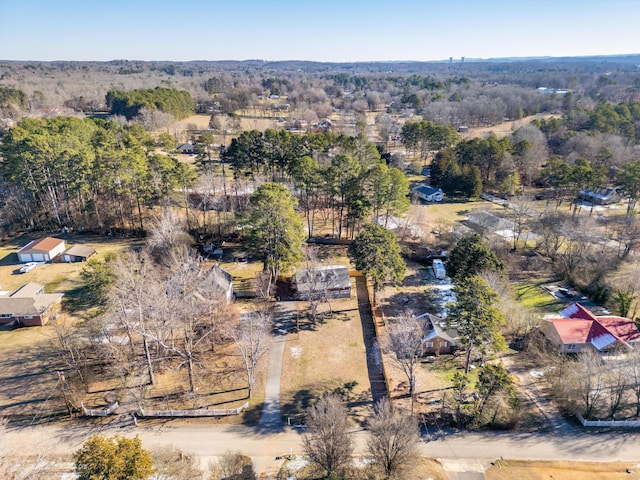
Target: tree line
{"type": "Point", "coordinates": [129, 103]}
{"type": "Point", "coordinates": [86, 174]}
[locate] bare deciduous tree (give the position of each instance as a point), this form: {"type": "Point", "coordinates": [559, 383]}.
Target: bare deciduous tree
{"type": "Point", "coordinates": [251, 341]}
{"type": "Point", "coordinates": [167, 233]}
{"type": "Point", "coordinates": [193, 306]}
{"type": "Point", "coordinates": [172, 464]}
{"type": "Point", "coordinates": [633, 370]}
{"type": "Point", "coordinates": [403, 340]}
{"type": "Point", "coordinates": [393, 440]}
{"type": "Point", "coordinates": [328, 442]}
{"type": "Point", "coordinates": [232, 466]}
{"type": "Point", "coordinates": [133, 297]}
{"type": "Point", "coordinates": [589, 378]}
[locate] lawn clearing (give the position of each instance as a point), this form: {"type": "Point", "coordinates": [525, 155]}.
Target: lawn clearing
{"type": "Point", "coordinates": [565, 470]}
{"type": "Point", "coordinates": [329, 357]}
{"type": "Point", "coordinates": [531, 295]}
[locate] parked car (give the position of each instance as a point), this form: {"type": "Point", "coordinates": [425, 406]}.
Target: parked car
{"type": "Point", "coordinates": [27, 267]}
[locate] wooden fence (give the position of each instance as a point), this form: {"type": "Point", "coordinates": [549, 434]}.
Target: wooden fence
{"type": "Point", "coordinates": [203, 412]}
{"type": "Point", "coordinates": [609, 423]}
{"type": "Point", "coordinates": [379, 325]}
{"type": "Point", "coordinates": [94, 412]}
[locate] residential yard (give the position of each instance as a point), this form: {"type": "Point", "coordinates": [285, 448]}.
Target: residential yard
{"type": "Point", "coordinates": [29, 358]}
{"type": "Point", "coordinates": [423, 468]}
{"type": "Point", "coordinates": [327, 357]}
{"type": "Point", "coordinates": [56, 277]}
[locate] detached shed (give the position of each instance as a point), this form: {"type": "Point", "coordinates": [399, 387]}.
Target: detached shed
{"type": "Point", "coordinates": [43, 250]}
{"type": "Point", "coordinates": [78, 253]}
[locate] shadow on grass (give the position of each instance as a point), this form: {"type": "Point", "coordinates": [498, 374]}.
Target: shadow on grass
{"type": "Point", "coordinates": [9, 259]}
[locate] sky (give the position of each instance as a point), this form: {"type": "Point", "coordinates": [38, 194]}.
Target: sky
{"type": "Point", "coordinates": [326, 30]}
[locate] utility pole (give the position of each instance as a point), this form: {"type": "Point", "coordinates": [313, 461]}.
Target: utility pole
{"type": "Point", "coordinates": [62, 382]}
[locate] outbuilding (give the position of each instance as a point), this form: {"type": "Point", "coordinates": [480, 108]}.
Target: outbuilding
{"type": "Point", "coordinates": [325, 281]}
{"type": "Point", "coordinates": [78, 253]}
{"type": "Point", "coordinates": [42, 250]}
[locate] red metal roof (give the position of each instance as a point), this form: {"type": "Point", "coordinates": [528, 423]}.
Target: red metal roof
{"type": "Point", "coordinates": [621, 327]}
{"type": "Point", "coordinates": [579, 325]}
{"type": "Point", "coordinates": [575, 310]}
{"type": "Point", "coordinates": [572, 331]}
{"type": "Point", "coordinates": [44, 244]}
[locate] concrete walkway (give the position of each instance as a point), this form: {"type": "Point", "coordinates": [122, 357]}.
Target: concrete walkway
{"type": "Point", "coordinates": [271, 418]}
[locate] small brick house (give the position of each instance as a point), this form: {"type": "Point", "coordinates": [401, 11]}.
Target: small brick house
{"type": "Point", "coordinates": [29, 306]}
{"type": "Point", "coordinates": [435, 340]}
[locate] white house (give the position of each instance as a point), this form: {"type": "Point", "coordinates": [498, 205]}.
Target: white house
{"type": "Point", "coordinates": [429, 193]}
{"type": "Point", "coordinates": [43, 250]}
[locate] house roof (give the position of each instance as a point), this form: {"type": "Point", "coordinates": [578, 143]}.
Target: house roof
{"type": "Point", "coordinates": [579, 325]}
{"type": "Point", "coordinates": [427, 189]}
{"type": "Point", "coordinates": [80, 251]}
{"type": "Point", "coordinates": [334, 277]}
{"type": "Point", "coordinates": [28, 290]}
{"type": "Point", "coordinates": [489, 220]}
{"type": "Point", "coordinates": [575, 310]}
{"type": "Point", "coordinates": [36, 305]}
{"type": "Point", "coordinates": [43, 245]}
{"type": "Point", "coordinates": [431, 328]}
{"type": "Point", "coordinates": [573, 331]}
{"type": "Point", "coordinates": [221, 277]}
{"type": "Point", "coordinates": [621, 327]}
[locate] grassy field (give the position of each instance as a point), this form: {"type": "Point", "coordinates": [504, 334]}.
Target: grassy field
{"type": "Point", "coordinates": [566, 470]}
{"type": "Point", "coordinates": [531, 295]}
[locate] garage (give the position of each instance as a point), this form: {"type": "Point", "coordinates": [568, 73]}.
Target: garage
{"type": "Point", "coordinates": [41, 250]}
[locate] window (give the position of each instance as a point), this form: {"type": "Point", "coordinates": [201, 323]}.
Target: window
{"type": "Point", "coordinates": [443, 344]}
{"type": "Point", "coordinates": [428, 344]}
{"type": "Point", "coordinates": [27, 317]}
{"type": "Point", "coordinates": [571, 347]}
{"type": "Point", "coordinates": [5, 315]}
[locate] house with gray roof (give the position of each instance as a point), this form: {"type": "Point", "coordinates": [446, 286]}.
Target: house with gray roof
{"type": "Point", "coordinates": [435, 340]}
{"type": "Point", "coordinates": [330, 281]}
{"type": "Point", "coordinates": [428, 193]}
{"type": "Point", "coordinates": [29, 306]}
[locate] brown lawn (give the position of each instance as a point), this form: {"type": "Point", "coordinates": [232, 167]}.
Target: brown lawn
{"type": "Point", "coordinates": [565, 470]}
{"type": "Point", "coordinates": [327, 357]}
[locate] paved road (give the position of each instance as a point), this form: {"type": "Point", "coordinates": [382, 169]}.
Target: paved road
{"type": "Point", "coordinates": [455, 450]}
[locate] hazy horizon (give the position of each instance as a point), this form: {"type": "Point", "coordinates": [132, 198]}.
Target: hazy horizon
{"type": "Point", "coordinates": [334, 32]}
